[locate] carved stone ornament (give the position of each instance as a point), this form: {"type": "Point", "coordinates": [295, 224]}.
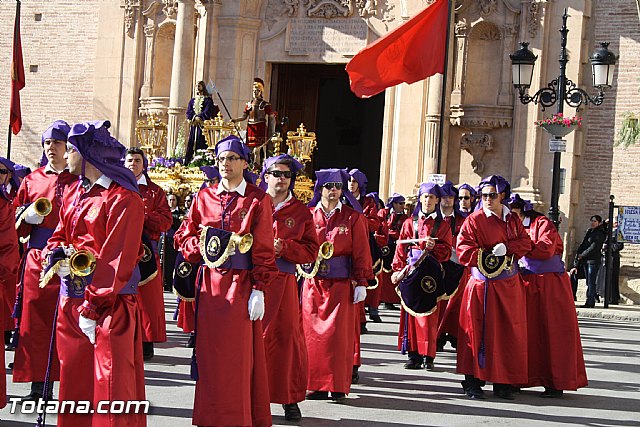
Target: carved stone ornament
{"type": "Point", "coordinates": [532, 18]}
{"type": "Point", "coordinates": [129, 15]}
{"type": "Point", "coordinates": [170, 8]}
{"type": "Point", "coordinates": [367, 8]}
{"type": "Point", "coordinates": [487, 7]}
{"type": "Point", "coordinates": [330, 8]}
{"type": "Point", "coordinates": [461, 29]}
{"type": "Point", "coordinates": [476, 145]}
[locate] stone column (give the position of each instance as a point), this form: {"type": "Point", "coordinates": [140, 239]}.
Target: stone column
{"type": "Point", "coordinates": [182, 70]}
{"type": "Point", "coordinates": [150, 38]}
{"type": "Point", "coordinates": [432, 127]}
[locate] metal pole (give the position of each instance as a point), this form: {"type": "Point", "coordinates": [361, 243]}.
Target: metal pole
{"type": "Point", "coordinates": [554, 211]}
{"type": "Point", "coordinates": [9, 145]}
{"type": "Point", "coordinates": [443, 94]}
{"type": "Point", "coordinates": [15, 30]}
{"type": "Point", "coordinates": [609, 255]}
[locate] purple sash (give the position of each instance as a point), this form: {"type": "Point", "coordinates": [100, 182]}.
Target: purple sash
{"type": "Point", "coordinates": [74, 288]}
{"type": "Point", "coordinates": [335, 268]}
{"type": "Point", "coordinates": [39, 236]}
{"type": "Point", "coordinates": [475, 272]}
{"type": "Point", "coordinates": [541, 266]}
{"type": "Point", "coordinates": [238, 262]}
{"type": "Point", "coordinates": [285, 266]}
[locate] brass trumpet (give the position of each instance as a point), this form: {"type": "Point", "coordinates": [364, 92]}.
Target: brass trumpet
{"type": "Point", "coordinates": [148, 253]}
{"type": "Point", "coordinates": [42, 206]}
{"type": "Point", "coordinates": [326, 250]}
{"type": "Point", "coordinates": [242, 243]}
{"type": "Point", "coordinates": [82, 263]}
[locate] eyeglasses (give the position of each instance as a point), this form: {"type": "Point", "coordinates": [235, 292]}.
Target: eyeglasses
{"type": "Point", "coordinates": [71, 148]}
{"type": "Point", "coordinates": [4, 172]}
{"type": "Point", "coordinates": [464, 197]}
{"type": "Point", "coordinates": [279, 174]}
{"type": "Point", "coordinates": [491, 196]}
{"type": "Point", "coordinates": [332, 185]}
{"type": "Point", "coordinates": [228, 158]}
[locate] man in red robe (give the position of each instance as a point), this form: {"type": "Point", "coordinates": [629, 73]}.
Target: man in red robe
{"type": "Point", "coordinates": [9, 259]}
{"type": "Point", "coordinates": [554, 351]}
{"type": "Point", "coordinates": [418, 331]}
{"type": "Point", "coordinates": [330, 297]}
{"type": "Point", "coordinates": [392, 216]}
{"type": "Point", "coordinates": [157, 220]}
{"type": "Point", "coordinates": [35, 307]}
{"type": "Point", "coordinates": [492, 345]}
{"type": "Point", "coordinates": [230, 367]}
{"type": "Point", "coordinates": [9, 184]}
{"type": "Point", "coordinates": [295, 243]}
{"type": "Point", "coordinates": [98, 334]}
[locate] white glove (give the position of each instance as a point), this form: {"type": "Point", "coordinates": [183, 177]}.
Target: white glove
{"type": "Point", "coordinates": [31, 217]}
{"type": "Point", "coordinates": [256, 305]}
{"type": "Point", "coordinates": [500, 249]}
{"type": "Point", "coordinates": [359, 294]}
{"type": "Point", "coordinates": [88, 328]}
{"type": "Point", "coordinates": [64, 270]}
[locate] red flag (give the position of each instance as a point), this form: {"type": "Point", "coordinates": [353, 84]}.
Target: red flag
{"type": "Point", "coordinates": [17, 77]}
{"type": "Point", "coordinates": [413, 51]}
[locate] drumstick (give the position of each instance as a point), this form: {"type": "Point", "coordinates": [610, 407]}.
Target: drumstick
{"type": "Point", "coordinates": [423, 239]}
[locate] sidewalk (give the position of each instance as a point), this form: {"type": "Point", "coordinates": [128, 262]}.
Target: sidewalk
{"type": "Point", "coordinates": [629, 313]}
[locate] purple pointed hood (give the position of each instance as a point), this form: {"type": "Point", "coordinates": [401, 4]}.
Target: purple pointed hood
{"type": "Point", "coordinates": [396, 198]}
{"type": "Point", "coordinates": [295, 167]}
{"type": "Point", "coordinates": [361, 179]}
{"type": "Point", "coordinates": [428, 188]}
{"type": "Point", "coordinates": [333, 175]}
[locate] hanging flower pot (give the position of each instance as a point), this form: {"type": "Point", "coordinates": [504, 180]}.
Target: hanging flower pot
{"type": "Point", "coordinates": [558, 125]}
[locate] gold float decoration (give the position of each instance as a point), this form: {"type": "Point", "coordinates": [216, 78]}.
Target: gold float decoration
{"type": "Point", "coordinates": [301, 146]}
{"type": "Point", "coordinates": [216, 129]}
{"type": "Point", "coordinates": [152, 136]}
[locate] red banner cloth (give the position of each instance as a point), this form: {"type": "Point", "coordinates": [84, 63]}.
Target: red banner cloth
{"type": "Point", "coordinates": [17, 78]}
{"type": "Point", "coordinates": [413, 51]}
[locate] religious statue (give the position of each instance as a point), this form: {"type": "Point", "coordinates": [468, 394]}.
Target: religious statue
{"type": "Point", "coordinates": [261, 124]}
{"type": "Point", "coordinates": [200, 108]}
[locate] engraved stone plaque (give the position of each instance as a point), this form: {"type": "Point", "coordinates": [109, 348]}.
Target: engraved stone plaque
{"type": "Point", "coordinates": [335, 39]}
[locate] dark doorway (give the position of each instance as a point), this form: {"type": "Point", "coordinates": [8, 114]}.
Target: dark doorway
{"type": "Point", "coordinates": [348, 129]}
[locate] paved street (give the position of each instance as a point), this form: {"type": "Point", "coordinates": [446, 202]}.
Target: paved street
{"type": "Point", "coordinates": [388, 395]}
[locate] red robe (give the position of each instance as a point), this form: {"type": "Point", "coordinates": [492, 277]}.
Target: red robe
{"type": "Point", "coordinates": [283, 334]}
{"type": "Point", "coordinates": [421, 330]}
{"type": "Point", "coordinates": [233, 388]}
{"type": "Point", "coordinates": [186, 309]}
{"type": "Point", "coordinates": [506, 318]}
{"type": "Point", "coordinates": [328, 312]}
{"type": "Point", "coordinates": [157, 220]}
{"type": "Point", "coordinates": [7, 322]}
{"type": "Point", "coordinates": [9, 259]}
{"type": "Point", "coordinates": [449, 310]}
{"type": "Point", "coordinates": [38, 305]}
{"type": "Point", "coordinates": [555, 351]}
{"type": "Point", "coordinates": [393, 223]}
{"type": "Point", "coordinates": [108, 223]}
{"type": "Point", "coordinates": [381, 237]}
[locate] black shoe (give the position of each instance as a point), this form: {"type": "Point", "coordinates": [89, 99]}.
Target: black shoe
{"type": "Point", "coordinates": [147, 351]}
{"type": "Point", "coordinates": [440, 342]}
{"type": "Point", "coordinates": [31, 397]}
{"type": "Point", "coordinates": [338, 397]}
{"type": "Point", "coordinates": [318, 395]}
{"type": "Point", "coordinates": [355, 375]}
{"type": "Point", "coordinates": [453, 341]}
{"type": "Point", "coordinates": [428, 363]}
{"type": "Point", "coordinates": [10, 366]}
{"type": "Point", "coordinates": [413, 364]}
{"type": "Point", "coordinates": [475, 393]}
{"type": "Point", "coordinates": [292, 412]}
{"type": "Point", "coordinates": [363, 329]}
{"type": "Point", "coordinates": [375, 318]}
{"type": "Point", "coordinates": [503, 392]}
{"type": "Point", "coordinates": [389, 306]}
{"type": "Point", "coordinates": [191, 342]}
{"type": "Point", "coordinates": [598, 298]}
{"type": "Point", "coordinates": [587, 305]}
{"type": "Point", "coordinates": [551, 393]}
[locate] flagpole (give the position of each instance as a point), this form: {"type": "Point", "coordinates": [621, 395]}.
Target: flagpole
{"type": "Point", "coordinates": [443, 94]}
{"type": "Point", "coordinates": [14, 48]}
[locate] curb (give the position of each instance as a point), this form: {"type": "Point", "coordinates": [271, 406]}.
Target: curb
{"type": "Point", "coordinates": [590, 313]}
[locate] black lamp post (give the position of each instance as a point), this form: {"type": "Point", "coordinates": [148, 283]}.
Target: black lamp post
{"type": "Point", "coordinates": [561, 90]}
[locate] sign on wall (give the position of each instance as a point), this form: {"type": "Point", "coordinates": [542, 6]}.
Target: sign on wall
{"type": "Point", "coordinates": [629, 224]}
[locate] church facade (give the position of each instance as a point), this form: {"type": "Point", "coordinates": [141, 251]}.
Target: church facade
{"type": "Point", "coordinates": [126, 59]}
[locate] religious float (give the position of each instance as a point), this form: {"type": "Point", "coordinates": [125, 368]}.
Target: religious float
{"type": "Point", "coordinates": [173, 176]}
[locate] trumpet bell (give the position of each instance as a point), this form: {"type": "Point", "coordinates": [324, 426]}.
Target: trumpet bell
{"type": "Point", "coordinates": [326, 250]}
{"type": "Point", "coordinates": [43, 206]}
{"type": "Point", "coordinates": [82, 263]}
{"type": "Point", "coordinates": [243, 243]}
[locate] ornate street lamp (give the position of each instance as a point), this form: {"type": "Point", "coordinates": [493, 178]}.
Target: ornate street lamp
{"type": "Point", "coordinates": [561, 90]}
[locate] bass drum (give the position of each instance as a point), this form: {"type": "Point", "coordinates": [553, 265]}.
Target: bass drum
{"type": "Point", "coordinates": [423, 287]}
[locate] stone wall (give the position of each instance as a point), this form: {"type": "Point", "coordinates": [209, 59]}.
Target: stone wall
{"type": "Point", "coordinates": [59, 38]}
{"type": "Point", "coordinates": [606, 168]}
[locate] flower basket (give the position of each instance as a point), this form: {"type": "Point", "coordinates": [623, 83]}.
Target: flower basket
{"type": "Point", "coordinates": [559, 125]}
{"type": "Point", "coordinates": [558, 130]}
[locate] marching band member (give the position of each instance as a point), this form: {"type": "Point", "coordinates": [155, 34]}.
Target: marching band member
{"type": "Point", "coordinates": [418, 331]}
{"type": "Point", "coordinates": [466, 198]}
{"type": "Point", "coordinates": [98, 335]}
{"type": "Point", "coordinates": [329, 299]}
{"type": "Point", "coordinates": [9, 259]}
{"type": "Point", "coordinates": [554, 350]}
{"type": "Point", "coordinates": [229, 365]}
{"type": "Point", "coordinates": [38, 203]}
{"type": "Point", "coordinates": [295, 243]}
{"type": "Point", "coordinates": [9, 184]}
{"type": "Point", "coordinates": [157, 219]}
{"type": "Point", "coordinates": [393, 216]}
{"type": "Point", "coordinates": [493, 319]}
